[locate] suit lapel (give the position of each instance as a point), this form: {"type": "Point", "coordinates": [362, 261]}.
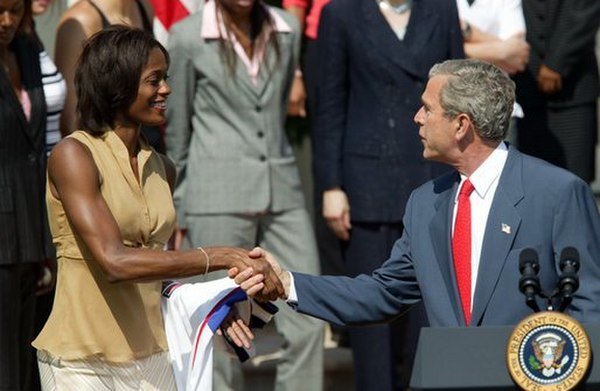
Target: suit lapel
{"type": "Point", "coordinates": [440, 231]}
{"type": "Point", "coordinates": [268, 68]}
{"type": "Point", "coordinates": [11, 99]}
{"type": "Point", "coordinates": [243, 79]}
{"type": "Point", "coordinates": [383, 39]}
{"type": "Point", "coordinates": [502, 226]}
{"type": "Point", "coordinates": [31, 82]}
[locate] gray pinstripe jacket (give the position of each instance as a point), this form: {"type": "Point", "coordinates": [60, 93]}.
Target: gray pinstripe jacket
{"type": "Point", "coordinates": [225, 134]}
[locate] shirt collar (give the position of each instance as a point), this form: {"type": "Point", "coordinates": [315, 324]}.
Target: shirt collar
{"type": "Point", "coordinates": [211, 25]}
{"type": "Point", "coordinates": [485, 175]}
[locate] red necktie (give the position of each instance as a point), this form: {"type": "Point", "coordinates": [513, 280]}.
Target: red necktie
{"type": "Point", "coordinates": [461, 248]}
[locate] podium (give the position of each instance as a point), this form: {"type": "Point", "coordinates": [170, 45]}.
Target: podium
{"type": "Point", "coordinates": [474, 358]}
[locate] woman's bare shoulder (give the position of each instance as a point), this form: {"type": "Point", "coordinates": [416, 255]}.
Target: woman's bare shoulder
{"type": "Point", "coordinates": [71, 149]}
{"type": "Point", "coordinates": [81, 15]}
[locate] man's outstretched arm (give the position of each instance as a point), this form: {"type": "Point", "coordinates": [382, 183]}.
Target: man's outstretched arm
{"type": "Point", "coordinates": [382, 296]}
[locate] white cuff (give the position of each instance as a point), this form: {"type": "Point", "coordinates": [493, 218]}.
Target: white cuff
{"type": "Point", "coordinates": [292, 296]}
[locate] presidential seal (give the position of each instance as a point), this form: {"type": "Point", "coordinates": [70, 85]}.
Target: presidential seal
{"type": "Point", "coordinates": [548, 351]}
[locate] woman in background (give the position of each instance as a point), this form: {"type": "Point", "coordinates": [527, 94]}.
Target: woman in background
{"type": "Point", "coordinates": [55, 88]}
{"type": "Point", "coordinates": [55, 91]}
{"type": "Point", "coordinates": [24, 244]}
{"type": "Point", "coordinates": [366, 148]}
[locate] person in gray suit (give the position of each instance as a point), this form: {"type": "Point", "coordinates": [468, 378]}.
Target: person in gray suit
{"type": "Point", "coordinates": [238, 184]}
{"type": "Point", "coordinates": [518, 202]}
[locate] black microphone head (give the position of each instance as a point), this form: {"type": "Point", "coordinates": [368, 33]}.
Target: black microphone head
{"type": "Point", "coordinates": [570, 255]}
{"type": "Point", "coordinates": [528, 257]}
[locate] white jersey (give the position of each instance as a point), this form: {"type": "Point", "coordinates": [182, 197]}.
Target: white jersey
{"type": "Point", "coordinates": [192, 314]}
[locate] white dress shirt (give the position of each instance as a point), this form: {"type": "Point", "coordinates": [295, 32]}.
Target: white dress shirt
{"type": "Point", "coordinates": [485, 181]}
{"type": "Point", "coordinates": [501, 18]}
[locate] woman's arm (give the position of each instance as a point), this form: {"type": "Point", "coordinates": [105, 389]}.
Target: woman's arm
{"type": "Point", "coordinates": [77, 24]}
{"type": "Point", "coordinates": [75, 180]}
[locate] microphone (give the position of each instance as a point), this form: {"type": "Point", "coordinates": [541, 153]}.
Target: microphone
{"type": "Point", "coordinates": [529, 283]}
{"type": "Point", "coordinates": [568, 282]}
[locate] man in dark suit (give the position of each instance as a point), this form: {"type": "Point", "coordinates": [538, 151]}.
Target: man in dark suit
{"type": "Point", "coordinates": [367, 156]}
{"type": "Point", "coordinates": [516, 202]}
{"type": "Point", "coordinates": [559, 89]}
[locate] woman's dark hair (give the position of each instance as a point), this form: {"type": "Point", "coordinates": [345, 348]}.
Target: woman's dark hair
{"type": "Point", "coordinates": [108, 74]}
{"type": "Point", "coordinates": [260, 18]}
{"type": "Point", "coordinates": [27, 20]}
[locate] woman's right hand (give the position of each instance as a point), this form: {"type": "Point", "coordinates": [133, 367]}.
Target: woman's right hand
{"type": "Point", "coordinates": [232, 257]}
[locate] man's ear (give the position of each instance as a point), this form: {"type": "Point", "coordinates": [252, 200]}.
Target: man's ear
{"type": "Point", "coordinates": [463, 124]}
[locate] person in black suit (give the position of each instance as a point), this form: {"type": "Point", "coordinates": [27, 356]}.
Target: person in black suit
{"type": "Point", "coordinates": [367, 154]}
{"type": "Point", "coordinates": [559, 88]}
{"type": "Point", "coordinates": [24, 237]}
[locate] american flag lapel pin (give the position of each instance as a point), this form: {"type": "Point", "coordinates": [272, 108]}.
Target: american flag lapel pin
{"type": "Point", "coordinates": [506, 228]}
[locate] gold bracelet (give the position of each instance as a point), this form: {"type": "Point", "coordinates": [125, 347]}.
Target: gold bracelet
{"type": "Point", "coordinates": [207, 259]}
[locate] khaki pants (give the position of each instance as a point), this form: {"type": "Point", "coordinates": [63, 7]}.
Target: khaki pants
{"type": "Point", "coordinates": [152, 373]}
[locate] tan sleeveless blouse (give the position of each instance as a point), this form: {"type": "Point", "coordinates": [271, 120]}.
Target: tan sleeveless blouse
{"type": "Point", "coordinates": [116, 322]}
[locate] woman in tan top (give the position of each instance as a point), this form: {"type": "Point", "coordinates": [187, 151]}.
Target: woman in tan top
{"type": "Point", "coordinates": [111, 212]}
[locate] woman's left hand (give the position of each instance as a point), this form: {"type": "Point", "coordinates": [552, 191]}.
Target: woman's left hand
{"type": "Point", "coordinates": [296, 105]}
{"type": "Point", "coordinates": [236, 330]}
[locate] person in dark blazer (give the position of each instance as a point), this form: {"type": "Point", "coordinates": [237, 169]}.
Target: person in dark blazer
{"type": "Point", "coordinates": [24, 236]}
{"type": "Point", "coordinates": [559, 88]}
{"type": "Point", "coordinates": [373, 62]}
{"type": "Point", "coordinates": [518, 202]}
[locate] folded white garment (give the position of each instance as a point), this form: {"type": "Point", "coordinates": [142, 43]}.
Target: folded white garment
{"type": "Point", "coordinates": [192, 314]}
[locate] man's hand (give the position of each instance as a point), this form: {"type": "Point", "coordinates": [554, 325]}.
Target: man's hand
{"type": "Point", "coordinates": [249, 282]}
{"type": "Point", "coordinates": [252, 283]}
{"type": "Point", "coordinates": [297, 104]}
{"type": "Point", "coordinates": [232, 257]}
{"type": "Point", "coordinates": [283, 275]}
{"type": "Point", "coordinates": [549, 81]}
{"type": "Point", "coordinates": [336, 211]}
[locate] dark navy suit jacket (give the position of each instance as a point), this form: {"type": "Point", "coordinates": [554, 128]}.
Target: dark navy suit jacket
{"type": "Point", "coordinates": [24, 235]}
{"type": "Point", "coordinates": [370, 85]}
{"type": "Point", "coordinates": [546, 208]}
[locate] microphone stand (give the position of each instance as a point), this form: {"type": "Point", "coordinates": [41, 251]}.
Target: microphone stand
{"type": "Point", "coordinates": [568, 283]}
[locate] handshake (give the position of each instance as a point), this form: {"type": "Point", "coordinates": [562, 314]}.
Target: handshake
{"type": "Point", "coordinates": [258, 274]}
{"type": "Point", "coordinates": [262, 278]}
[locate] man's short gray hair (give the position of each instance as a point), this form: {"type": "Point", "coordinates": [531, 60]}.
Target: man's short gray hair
{"type": "Point", "coordinates": [480, 90]}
